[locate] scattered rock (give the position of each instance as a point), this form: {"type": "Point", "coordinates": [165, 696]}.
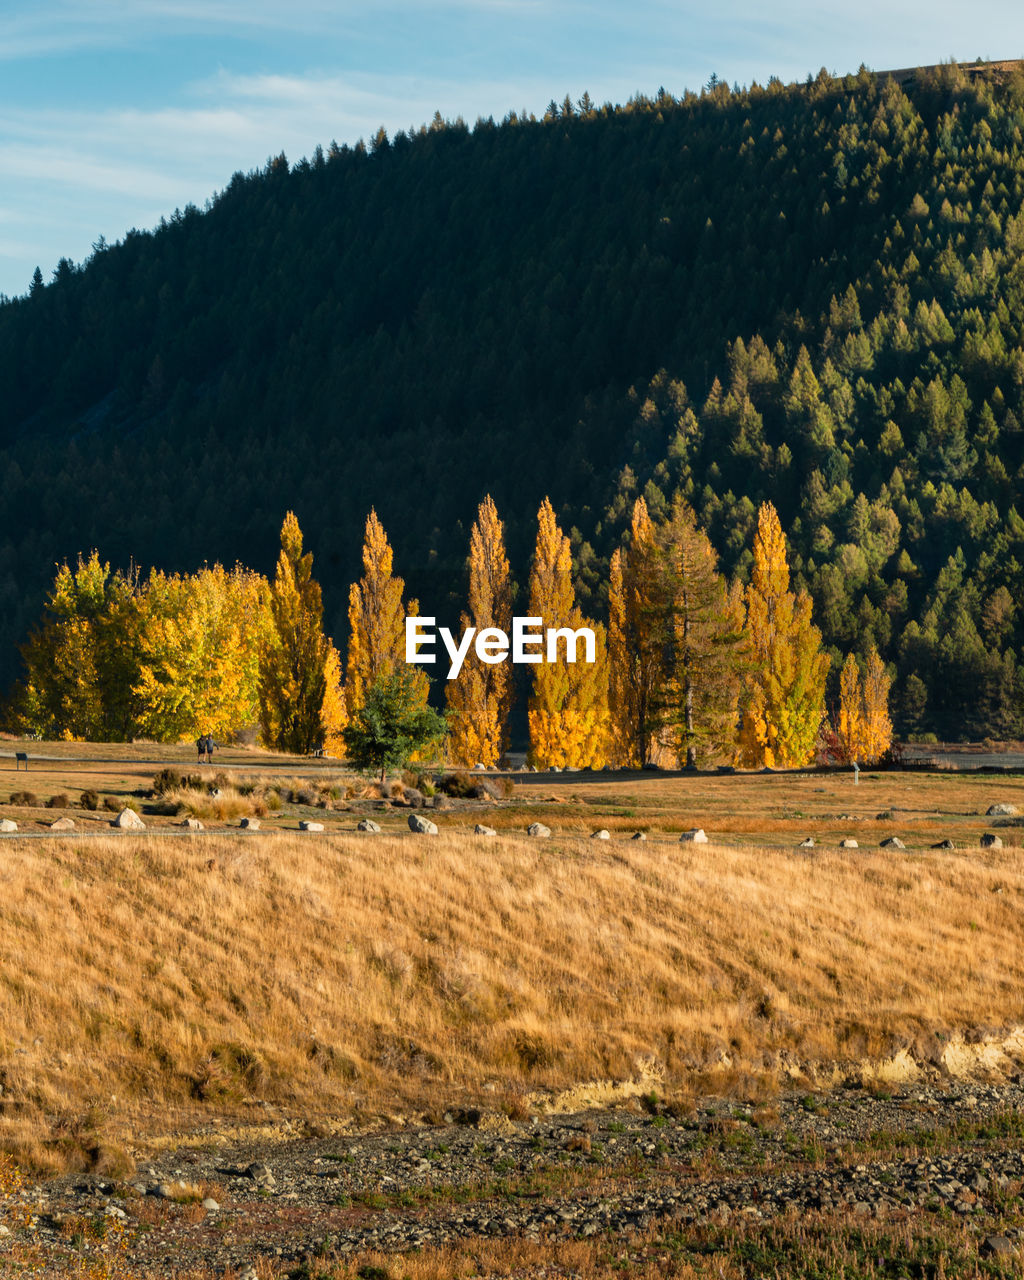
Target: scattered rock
{"type": "Point", "coordinates": [481, 830]}
{"type": "Point", "coordinates": [601, 835]}
{"type": "Point", "coordinates": [63, 824]}
{"type": "Point", "coordinates": [996, 1247]}
{"type": "Point", "coordinates": [806, 844]}
{"type": "Point", "coordinates": [892, 842]}
{"type": "Point", "coordinates": [848, 844]}
{"type": "Point", "coordinates": [944, 844]}
{"type": "Point", "coordinates": [538, 829]}
{"type": "Point", "coordinates": [1002, 811]}
{"type": "Point", "coordinates": [192, 824]}
{"type": "Point", "coordinates": [250, 824]}
{"type": "Point", "coordinates": [638, 835]}
{"type": "Point", "coordinates": [422, 826]}
{"type": "Point", "coordinates": [311, 826]}
{"type": "Point", "coordinates": [261, 1175]}
{"type": "Point", "coordinates": [554, 768]}
{"type": "Point", "coordinates": [696, 836]}
{"type": "Point", "coordinates": [369, 825]}
{"type": "Point", "coordinates": [211, 1205]}
{"type": "Point", "coordinates": [129, 820]}
{"type": "Point", "coordinates": [8, 824]}
{"type": "Point", "coordinates": [990, 841]}
{"type": "Point", "coordinates": [480, 768]}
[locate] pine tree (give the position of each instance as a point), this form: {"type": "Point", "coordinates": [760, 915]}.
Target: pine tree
{"type": "Point", "coordinates": [702, 628]}
{"type": "Point", "coordinates": [480, 697]}
{"type": "Point", "coordinates": [568, 707]}
{"type": "Point", "coordinates": [785, 690]}
{"type": "Point", "coordinates": [376, 619]}
{"type": "Point", "coordinates": [293, 683]}
{"type": "Point", "coordinates": [636, 658]}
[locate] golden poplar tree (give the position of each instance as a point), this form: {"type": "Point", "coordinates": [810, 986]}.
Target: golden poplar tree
{"type": "Point", "coordinates": [293, 679]}
{"type": "Point", "coordinates": [785, 691]}
{"type": "Point", "coordinates": [849, 730]}
{"type": "Point", "coordinates": [877, 726]}
{"type": "Point", "coordinates": [376, 619]}
{"type": "Point", "coordinates": [568, 706]}
{"type": "Point", "coordinates": [480, 697]}
{"type": "Point", "coordinates": [636, 663]}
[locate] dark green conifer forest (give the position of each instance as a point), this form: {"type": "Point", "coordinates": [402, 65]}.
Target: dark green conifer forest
{"type": "Point", "coordinates": [811, 294]}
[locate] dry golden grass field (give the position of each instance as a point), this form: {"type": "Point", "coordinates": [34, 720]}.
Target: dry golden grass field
{"type": "Point", "coordinates": [152, 986]}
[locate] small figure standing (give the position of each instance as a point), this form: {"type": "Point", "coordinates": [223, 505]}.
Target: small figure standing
{"type": "Point", "coordinates": [201, 746]}
{"type": "Point", "coordinates": [209, 748]}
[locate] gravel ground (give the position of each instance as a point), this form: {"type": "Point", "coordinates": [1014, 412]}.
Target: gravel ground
{"type": "Point", "coordinates": [226, 1207]}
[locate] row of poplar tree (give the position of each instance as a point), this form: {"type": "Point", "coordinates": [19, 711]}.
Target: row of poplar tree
{"type": "Point", "coordinates": [690, 669]}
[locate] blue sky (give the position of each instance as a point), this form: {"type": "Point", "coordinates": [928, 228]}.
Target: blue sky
{"type": "Point", "coordinates": [114, 112]}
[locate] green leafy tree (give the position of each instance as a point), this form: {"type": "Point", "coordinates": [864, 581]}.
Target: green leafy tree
{"type": "Point", "coordinates": [392, 725]}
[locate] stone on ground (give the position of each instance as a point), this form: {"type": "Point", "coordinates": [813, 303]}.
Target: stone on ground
{"type": "Point", "coordinates": [63, 824]}
{"type": "Point", "coordinates": [481, 830]}
{"type": "Point", "coordinates": [538, 829]}
{"type": "Point", "coordinates": [311, 826]}
{"type": "Point", "coordinates": [696, 836]}
{"type": "Point", "coordinates": [990, 841]}
{"type": "Point", "coordinates": [1002, 811]}
{"type": "Point", "coordinates": [8, 824]}
{"type": "Point", "coordinates": [192, 824]}
{"type": "Point", "coordinates": [368, 824]}
{"type": "Point", "coordinates": [848, 844]}
{"type": "Point", "coordinates": [250, 824]}
{"type": "Point", "coordinates": [892, 842]}
{"type": "Point", "coordinates": [422, 826]}
{"type": "Point", "coordinates": [601, 835]}
{"type": "Point", "coordinates": [129, 820]}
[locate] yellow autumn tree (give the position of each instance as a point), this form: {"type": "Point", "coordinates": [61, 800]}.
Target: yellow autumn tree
{"type": "Point", "coordinates": [877, 726]}
{"type": "Point", "coordinates": [334, 710]}
{"type": "Point", "coordinates": [568, 706]}
{"type": "Point", "coordinates": [81, 663]}
{"type": "Point", "coordinates": [480, 697]}
{"type": "Point", "coordinates": [376, 619]}
{"type": "Point", "coordinates": [200, 643]}
{"type": "Point", "coordinates": [296, 658]}
{"type": "Point", "coordinates": [849, 730]}
{"type": "Point", "coordinates": [636, 656]}
{"type": "Point", "coordinates": [784, 697]}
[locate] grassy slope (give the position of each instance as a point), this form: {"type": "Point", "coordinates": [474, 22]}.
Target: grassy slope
{"type": "Point", "coordinates": [164, 982]}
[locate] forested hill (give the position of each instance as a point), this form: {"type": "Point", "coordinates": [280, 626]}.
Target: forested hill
{"type": "Point", "coordinates": [812, 293]}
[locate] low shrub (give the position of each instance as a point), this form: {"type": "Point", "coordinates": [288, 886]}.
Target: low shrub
{"type": "Point", "coordinates": [113, 804]}
{"type": "Point", "coordinates": [89, 800]}
{"type": "Point", "coordinates": [60, 801]}
{"type": "Point", "coordinates": [26, 798]}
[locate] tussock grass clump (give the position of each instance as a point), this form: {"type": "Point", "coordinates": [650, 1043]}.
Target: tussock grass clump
{"type": "Point", "coordinates": [228, 803]}
{"type": "Point", "coordinates": [25, 799]}
{"type": "Point", "coordinates": [59, 801]}
{"type": "Point", "coordinates": [89, 800]}
{"type": "Point", "coordinates": [342, 973]}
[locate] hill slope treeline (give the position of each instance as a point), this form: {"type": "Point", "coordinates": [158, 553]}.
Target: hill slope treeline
{"type": "Point", "coordinates": [811, 294]}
